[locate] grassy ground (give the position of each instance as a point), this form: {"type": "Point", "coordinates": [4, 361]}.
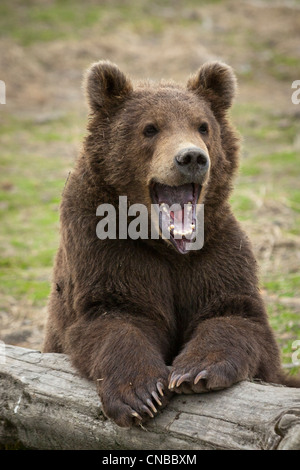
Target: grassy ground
{"type": "Point", "coordinates": [45, 46]}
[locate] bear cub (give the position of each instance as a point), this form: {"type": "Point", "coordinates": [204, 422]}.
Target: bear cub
{"type": "Point", "coordinates": [146, 317]}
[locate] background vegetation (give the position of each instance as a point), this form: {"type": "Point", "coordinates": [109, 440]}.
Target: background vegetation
{"type": "Point", "coordinates": [45, 47]}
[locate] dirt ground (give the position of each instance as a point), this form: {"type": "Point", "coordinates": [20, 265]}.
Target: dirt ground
{"type": "Point", "coordinates": [259, 39]}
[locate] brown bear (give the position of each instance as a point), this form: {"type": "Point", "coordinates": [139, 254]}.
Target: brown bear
{"type": "Point", "coordinates": [147, 316]}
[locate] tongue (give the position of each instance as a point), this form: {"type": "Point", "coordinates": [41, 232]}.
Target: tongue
{"type": "Point", "coordinates": [177, 216]}
{"type": "Point", "coordinates": [182, 219]}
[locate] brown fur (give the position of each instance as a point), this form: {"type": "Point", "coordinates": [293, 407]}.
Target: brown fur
{"type": "Point", "coordinates": [126, 309]}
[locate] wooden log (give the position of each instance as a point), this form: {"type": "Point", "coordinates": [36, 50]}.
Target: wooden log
{"type": "Point", "coordinates": [45, 404]}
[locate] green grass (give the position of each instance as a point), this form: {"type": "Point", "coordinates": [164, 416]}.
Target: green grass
{"type": "Point", "coordinates": [269, 177]}
{"type": "Point", "coordinates": [272, 179]}
{"type": "Point", "coordinates": [285, 286]}
{"type": "Point", "coordinates": [286, 325]}
{"type": "Point", "coordinates": [263, 127]}
{"type": "Point", "coordinates": [283, 66]}
{"type": "Point", "coordinates": [32, 21]}
{"type": "Point", "coordinates": [31, 183]}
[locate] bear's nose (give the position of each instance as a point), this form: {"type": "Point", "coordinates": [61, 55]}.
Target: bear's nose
{"type": "Point", "coordinates": [192, 161]}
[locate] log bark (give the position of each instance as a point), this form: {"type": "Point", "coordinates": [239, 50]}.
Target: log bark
{"type": "Point", "coordinates": [45, 404]}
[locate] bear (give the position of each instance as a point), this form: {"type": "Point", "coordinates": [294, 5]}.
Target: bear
{"type": "Point", "coordinates": [148, 317]}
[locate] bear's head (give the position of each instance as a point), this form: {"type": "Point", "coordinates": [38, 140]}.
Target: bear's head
{"type": "Point", "coordinates": [162, 143]}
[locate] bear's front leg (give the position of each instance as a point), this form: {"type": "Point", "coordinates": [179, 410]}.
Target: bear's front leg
{"type": "Point", "coordinates": [223, 351]}
{"type": "Point", "coordinates": [126, 362]}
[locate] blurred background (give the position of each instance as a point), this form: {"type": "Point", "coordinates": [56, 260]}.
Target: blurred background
{"type": "Point", "coordinates": [46, 45]}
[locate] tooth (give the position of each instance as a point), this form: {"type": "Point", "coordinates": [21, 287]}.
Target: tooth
{"type": "Point", "coordinates": [190, 202]}
{"type": "Point", "coordinates": [171, 227]}
{"type": "Point", "coordinates": [193, 226]}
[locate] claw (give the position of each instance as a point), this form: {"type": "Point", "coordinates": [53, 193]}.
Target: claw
{"type": "Point", "coordinates": [173, 380]}
{"type": "Point", "coordinates": [146, 409]}
{"type": "Point", "coordinates": [149, 403]}
{"type": "Point", "coordinates": [155, 396]}
{"type": "Point", "coordinates": [136, 415]}
{"type": "Point", "coordinates": [160, 388]}
{"type": "Point", "coordinates": [170, 380]}
{"type": "Point", "coordinates": [183, 378]}
{"type": "Point", "coordinates": [201, 375]}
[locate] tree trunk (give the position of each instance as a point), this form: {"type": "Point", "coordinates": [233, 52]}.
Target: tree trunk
{"type": "Point", "coordinates": [45, 404]}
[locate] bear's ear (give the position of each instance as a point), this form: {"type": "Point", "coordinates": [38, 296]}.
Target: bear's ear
{"type": "Point", "coordinates": [105, 86]}
{"type": "Point", "coordinates": [215, 82]}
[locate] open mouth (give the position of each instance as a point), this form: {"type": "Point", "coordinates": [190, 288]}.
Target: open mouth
{"type": "Point", "coordinates": [177, 206]}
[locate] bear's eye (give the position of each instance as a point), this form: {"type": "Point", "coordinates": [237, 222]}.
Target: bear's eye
{"type": "Point", "coordinates": [203, 129]}
{"type": "Point", "coordinates": [150, 130]}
